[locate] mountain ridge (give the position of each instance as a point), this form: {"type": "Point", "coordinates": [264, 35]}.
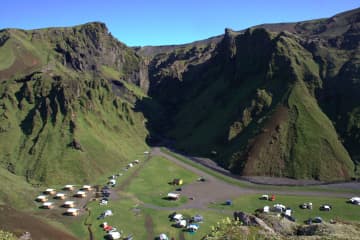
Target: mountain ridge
{"type": "Point", "coordinates": [258, 101]}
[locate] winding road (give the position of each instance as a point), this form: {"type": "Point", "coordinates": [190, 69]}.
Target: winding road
{"type": "Point", "coordinates": [216, 190]}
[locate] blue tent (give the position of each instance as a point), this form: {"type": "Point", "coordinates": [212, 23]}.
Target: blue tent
{"type": "Point", "coordinates": [228, 202]}
{"type": "Point", "coordinates": [197, 218]}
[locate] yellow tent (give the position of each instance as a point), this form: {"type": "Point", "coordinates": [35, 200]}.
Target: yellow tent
{"type": "Point", "coordinates": [178, 181]}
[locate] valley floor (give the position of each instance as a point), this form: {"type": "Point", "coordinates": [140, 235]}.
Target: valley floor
{"type": "Point", "coordinates": [140, 208]}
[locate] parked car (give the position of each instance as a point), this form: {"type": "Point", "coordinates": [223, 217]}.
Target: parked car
{"type": "Point", "coordinates": [317, 220]}
{"type": "Point", "coordinates": [325, 207]}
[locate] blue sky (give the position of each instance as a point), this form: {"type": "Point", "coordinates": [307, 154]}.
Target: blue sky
{"type": "Point", "coordinates": [160, 22]}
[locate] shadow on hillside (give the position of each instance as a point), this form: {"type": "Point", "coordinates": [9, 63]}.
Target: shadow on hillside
{"type": "Point", "coordinates": [166, 97]}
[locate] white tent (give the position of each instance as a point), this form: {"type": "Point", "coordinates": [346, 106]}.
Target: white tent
{"type": "Point", "coordinates": [279, 207]}
{"type": "Point", "coordinates": [163, 237]}
{"type": "Point", "coordinates": [266, 209]}
{"type": "Point", "coordinates": [137, 161]}
{"type": "Point", "coordinates": [114, 235]}
{"type": "Point", "coordinates": [41, 198]}
{"type": "Point", "coordinates": [112, 181]}
{"type": "Point", "coordinates": [264, 197]}
{"type": "Point", "coordinates": [80, 194]}
{"type": "Point", "coordinates": [68, 187]}
{"type": "Point", "coordinates": [108, 213]}
{"type": "Point", "coordinates": [181, 223]}
{"type": "Point", "coordinates": [173, 195]}
{"type": "Point", "coordinates": [72, 211]}
{"type": "Point", "coordinates": [325, 207]}
{"type": "Point", "coordinates": [50, 191]}
{"type": "Point", "coordinates": [177, 217]}
{"type": "Point", "coordinates": [47, 205]}
{"type": "Point", "coordinates": [69, 204]}
{"type": "Point", "coordinates": [355, 200]}
{"type": "Point", "coordinates": [193, 227]}
{"type": "Point", "coordinates": [60, 195]}
{"type": "Point", "coordinates": [288, 212]}
{"type": "Point", "coordinates": [86, 187]}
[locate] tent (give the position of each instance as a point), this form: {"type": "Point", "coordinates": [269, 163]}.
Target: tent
{"type": "Point", "coordinates": [178, 181]}
{"type": "Point", "coordinates": [264, 197]}
{"type": "Point", "coordinates": [288, 212]}
{"type": "Point", "coordinates": [86, 187]}
{"type": "Point", "coordinates": [355, 200]}
{"type": "Point", "coordinates": [108, 213]}
{"type": "Point", "coordinates": [279, 208]}
{"type": "Point", "coordinates": [114, 235]}
{"type": "Point", "coordinates": [69, 204]}
{"type": "Point", "coordinates": [177, 217]}
{"type": "Point", "coordinates": [47, 205]}
{"type": "Point", "coordinates": [306, 205]}
{"type": "Point", "coordinates": [112, 182]}
{"type": "Point", "coordinates": [41, 198]}
{"type": "Point", "coordinates": [68, 187]}
{"type": "Point", "coordinates": [266, 209]}
{"type": "Point", "coordinates": [136, 161]}
{"type": "Point", "coordinates": [72, 212]}
{"type": "Point", "coordinates": [108, 228]}
{"type": "Point", "coordinates": [181, 223]}
{"type": "Point", "coordinates": [325, 207]}
{"type": "Point", "coordinates": [50, 191]}
{"type": "Point", "coordinates": [228, 202]}
{"type": "Point", "coordinates": [272, 198]}
{"type": "Point", "coordinates": [80, 194]}
{"type": "Point", "coordinates": [163, 237]}
{"type": "Point", "coordinates": [197, 218]}
{"type": "Point", "coordinates": [173, 196]}
{"type": "Point", "coordinates": [60, 195]}
{"type": "Point", "coordinates": [193, 227]}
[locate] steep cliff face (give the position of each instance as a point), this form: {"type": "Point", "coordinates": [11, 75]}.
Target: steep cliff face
{"type": "Point", "coordinates": [66, 101]}
{"type": "Point", "coordinates": [275, 100]}
{"type": "Point", "coordinates": [266, 102]}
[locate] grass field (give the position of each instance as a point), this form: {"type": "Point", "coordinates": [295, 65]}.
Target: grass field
{"type": "Point", "coordinates": [152, 183]}
{"type": "Point", "coordinates": [147, 186]}
{"type": "Point", "coordinates": [341, 209]}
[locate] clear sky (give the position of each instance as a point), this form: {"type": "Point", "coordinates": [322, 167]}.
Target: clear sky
{"type": "Point", "coordinates": [160, 22]}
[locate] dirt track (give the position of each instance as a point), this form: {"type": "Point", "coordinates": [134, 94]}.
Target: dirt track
{"type": "Point", "coordinates": [216, 190]}
{"type": "Point", "coordinates": [149, 226]}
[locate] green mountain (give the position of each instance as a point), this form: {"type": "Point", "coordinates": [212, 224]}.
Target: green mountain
{"type": "Point", "coordinates": [276, 100]}
{"type": "Point", "coordinates": [66, 103]}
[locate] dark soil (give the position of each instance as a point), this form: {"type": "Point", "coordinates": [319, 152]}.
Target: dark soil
{"type": "Point", "coordinates": [264, 156]}
{"type": "Point", "coordinates": [18, 222]}
{"type": "Point", "coordinates": [22, 64]}
{"type": "Point", "coordinates": [149, 226]}
{"type": "Point", "coordinates": [181, 236]}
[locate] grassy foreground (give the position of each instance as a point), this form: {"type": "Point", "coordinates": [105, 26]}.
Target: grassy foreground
{"type": "Point", "coordinates": [341, 209]}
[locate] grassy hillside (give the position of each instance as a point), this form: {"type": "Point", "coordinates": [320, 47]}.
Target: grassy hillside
{"type": "Point", "coordinates": [75, 100]}
{"type": "Point", "coordinates": [60, 119]}
{"type": "Point", "coordinates": [258, 102]}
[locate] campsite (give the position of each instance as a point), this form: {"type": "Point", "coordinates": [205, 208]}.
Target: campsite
{"type": "Point", "coordinates": [140, 207]}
